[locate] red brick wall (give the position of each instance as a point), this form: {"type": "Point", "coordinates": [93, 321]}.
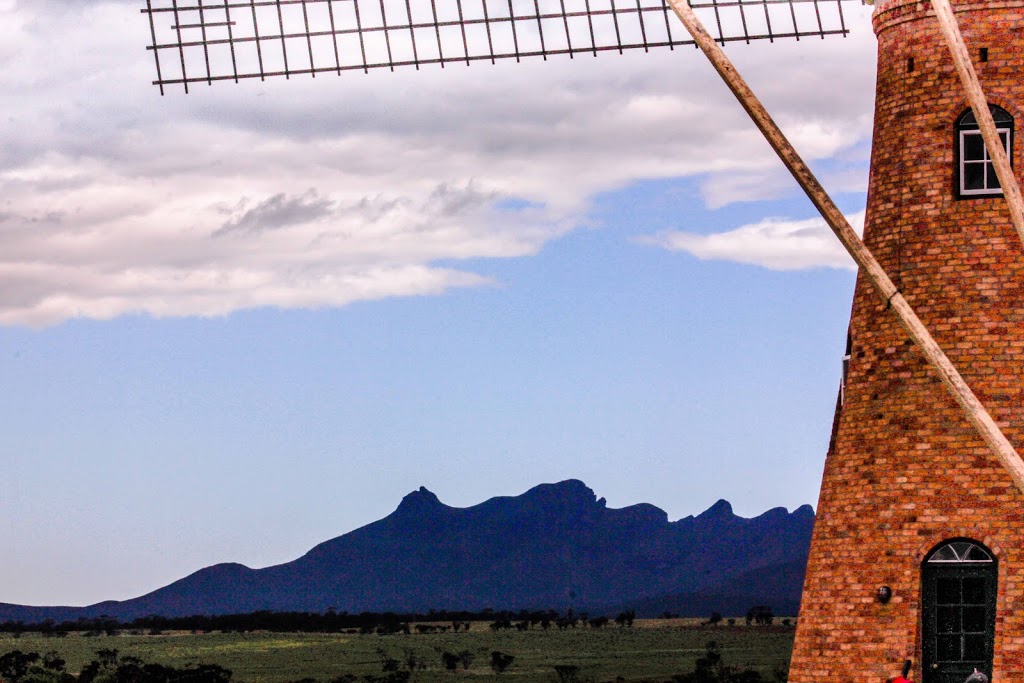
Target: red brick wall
{"type": "Point", "coordinates": [907, 471]}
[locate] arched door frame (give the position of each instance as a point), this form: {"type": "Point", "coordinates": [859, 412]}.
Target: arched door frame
{"type": "Point", "coordinates": [959, 583]}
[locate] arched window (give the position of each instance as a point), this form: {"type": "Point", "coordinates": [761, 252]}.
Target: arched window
{"type": "Point", "coordinates": [976, 174]}
{"type": "Point", "coordinates": [959, 581]}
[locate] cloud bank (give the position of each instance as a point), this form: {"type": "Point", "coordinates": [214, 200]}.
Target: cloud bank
{"type": "Point", "coordinates": [311, 193]}
{"type": "Point", "coordinates": [774, 243]}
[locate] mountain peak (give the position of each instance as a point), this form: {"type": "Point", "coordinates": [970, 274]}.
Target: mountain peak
{"type": "Point", "coordinates": [420, 500]}
{"type": "Point", "coordinates": [720, 509]}
{"type": "Point", "coordinates": [805, 511]}
{"type": "Point", "coordinates": [569, 493]}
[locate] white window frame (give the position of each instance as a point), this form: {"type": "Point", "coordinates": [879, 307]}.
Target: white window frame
{"type": "Point", "coordinates": [990, 187]}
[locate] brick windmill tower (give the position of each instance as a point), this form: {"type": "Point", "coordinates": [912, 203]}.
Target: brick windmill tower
{"type": "Point", "coordinates": [918, 550]}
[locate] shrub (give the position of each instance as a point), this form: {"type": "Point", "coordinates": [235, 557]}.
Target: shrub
{"type": "Point", "coordinates": [501, 661]}
{"type": "Point", "coordinates": [567, 673]}
{"type": "Point", "coordinates": [450, 660]}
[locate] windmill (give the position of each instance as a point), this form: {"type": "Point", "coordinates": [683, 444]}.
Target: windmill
{"type": "Point", "coordinates": [918, 550]}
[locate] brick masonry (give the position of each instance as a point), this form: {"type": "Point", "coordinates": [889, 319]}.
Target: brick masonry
{"type": "Point", "coordinates": [906, 470]}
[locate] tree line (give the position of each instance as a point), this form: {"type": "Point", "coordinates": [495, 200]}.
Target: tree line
{"type": "Point", "coordinates": [318, 622]}
{"type": "Point", "coordinates": [31, 667]}
{"type": "Point", "coordinates": [331, 621]}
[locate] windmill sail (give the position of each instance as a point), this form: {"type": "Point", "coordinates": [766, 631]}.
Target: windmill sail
{"type": "Point", "coordinates": [202, 41]}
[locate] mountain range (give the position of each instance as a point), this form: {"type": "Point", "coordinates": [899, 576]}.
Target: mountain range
{"type": "Point", "coordinates": [557, 546]}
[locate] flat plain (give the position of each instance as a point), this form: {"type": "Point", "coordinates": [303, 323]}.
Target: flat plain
{"type": "Point", "coordinates": [650, 651]}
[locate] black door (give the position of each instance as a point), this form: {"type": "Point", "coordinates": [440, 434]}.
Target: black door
{"type": "Point", "coordinates": [958, 611]}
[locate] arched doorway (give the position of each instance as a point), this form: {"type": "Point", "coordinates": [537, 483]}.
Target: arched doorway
{"type": "Point", "coordinates": [958, 611]}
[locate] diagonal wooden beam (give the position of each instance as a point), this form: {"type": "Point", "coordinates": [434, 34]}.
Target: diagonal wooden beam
{"type": "Point", "coordinates": [975, 95]}
{"type": "Point", "coordinates": [972, 407]}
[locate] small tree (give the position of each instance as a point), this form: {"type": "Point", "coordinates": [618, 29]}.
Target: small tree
{"type": "Point", "coordinates": [53, 661]}
{"type": "Point", "coordinates": [107, 657]}
{"type": "Point", "coordinates": [761, 615]}
{"type": "Point", "coordinates": [450, 660]}
{"type": "Point", "coordinates": [566, 673]}
{"type": "Point", "coordinates": [501, 661]}
{"type": "Point", "coordinates": [15, 665]}
{"type": "Point", "coordinates": [625, 618]}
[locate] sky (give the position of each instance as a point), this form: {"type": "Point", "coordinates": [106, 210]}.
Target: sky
{"type": "Point", "coordinates": [240, 322]}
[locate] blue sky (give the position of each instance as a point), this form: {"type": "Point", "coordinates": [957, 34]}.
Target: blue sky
{"type": "Point", "coordinates": [238, 323]}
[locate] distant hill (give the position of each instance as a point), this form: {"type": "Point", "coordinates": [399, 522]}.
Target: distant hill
{"type": "Point", "coordinates": [554, 547]}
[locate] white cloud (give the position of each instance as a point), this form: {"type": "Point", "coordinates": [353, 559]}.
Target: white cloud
{"type": "Point", "coordinates": [774, 243]}
{"type": "Point", "coordinates": [320, 192]}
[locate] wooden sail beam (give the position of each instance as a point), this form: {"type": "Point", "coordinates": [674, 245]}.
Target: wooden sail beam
{"type": "Point", "coordinates": [972, 407]}
{"type": "Point", "coordinates": [969, 77]}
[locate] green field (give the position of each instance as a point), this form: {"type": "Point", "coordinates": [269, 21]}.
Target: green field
{"type": "Point", "coordinates": [651, 651]}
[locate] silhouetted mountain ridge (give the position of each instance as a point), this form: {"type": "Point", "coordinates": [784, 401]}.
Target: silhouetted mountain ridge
{"type": "Point", "coordinates": [556, 546]}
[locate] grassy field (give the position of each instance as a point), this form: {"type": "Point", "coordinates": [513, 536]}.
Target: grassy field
{"type": "Point", "coordinates": [651, 651]}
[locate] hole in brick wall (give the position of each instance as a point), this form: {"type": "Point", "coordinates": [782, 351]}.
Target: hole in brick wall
{"type": "Point", "coordinates": [983, 54]}
{"type": "Point", "coordinates": [910, 64]}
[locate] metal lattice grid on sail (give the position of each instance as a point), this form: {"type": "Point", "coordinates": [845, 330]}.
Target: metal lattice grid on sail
{"type": "Point", "coordinates": [201, 41]}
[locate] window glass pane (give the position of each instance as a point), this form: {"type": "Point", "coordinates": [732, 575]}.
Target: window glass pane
{"type": "Point", "coordinates": [999, 115]}
{"type": "Point", "coordinates": [976, 554]}
{"type": "Point", "coordinates": [944, 554]}
{"type": "Point", "coordinates": [974, 648]}
{"type": "Point", "coordinates": [973, 619]}
{"type": "Point", "coordinates": [973, 176]}
{"type": "Point", "coordinates": [947, 648]}
{"type": "Point", "coordinates": [974, 146]}
{"type": "Point", "coordinates": [974, 591]}
{"type": "Point", "coordinates": [947, 591]}
{"type": "Point", "coordinates": [960, 547]}
{"type": "Point", "coordinates": [991, 181]}
{"type": "Point", "coordinates": [947, 620]}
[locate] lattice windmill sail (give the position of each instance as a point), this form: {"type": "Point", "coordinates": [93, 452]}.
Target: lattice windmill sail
{"type": "Point", "coordinates": [202, 41]}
